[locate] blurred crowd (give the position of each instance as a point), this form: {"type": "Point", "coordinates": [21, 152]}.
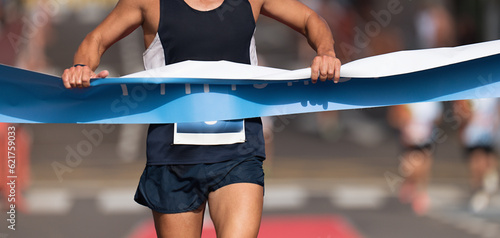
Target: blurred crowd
{"type": "Point", "coordinates": [364, 28]}
{"type": "Point", "coordinates": [42, 35]}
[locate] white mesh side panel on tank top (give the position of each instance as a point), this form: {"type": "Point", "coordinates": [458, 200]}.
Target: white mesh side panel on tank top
{"type": "Point", "coordinates": [154, 56]}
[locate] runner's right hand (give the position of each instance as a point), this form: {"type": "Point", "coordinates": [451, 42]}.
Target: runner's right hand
{"type": "Point", "coordinates": [79, 76]}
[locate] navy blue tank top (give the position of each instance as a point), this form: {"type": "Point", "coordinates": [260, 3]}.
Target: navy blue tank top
{"type": "Point", "coordinates": [184, 33]}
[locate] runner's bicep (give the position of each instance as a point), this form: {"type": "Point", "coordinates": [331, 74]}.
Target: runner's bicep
{"type": "Point", "coordinates": [290, 12]}
{"type": "Point", "coordinates": [123, 20]}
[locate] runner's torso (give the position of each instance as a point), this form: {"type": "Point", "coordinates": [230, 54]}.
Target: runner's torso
{"type": "Point", "coordinates": [151, 14]}
{"type": "Point", "coordinates": [185, 33]}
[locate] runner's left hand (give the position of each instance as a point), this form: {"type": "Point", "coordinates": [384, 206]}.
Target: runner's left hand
{"type": "Point", "coordinates": [325, 67]}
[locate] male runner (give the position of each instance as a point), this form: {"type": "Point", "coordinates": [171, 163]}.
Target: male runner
{"type": "Point", "coordinates": [180, 178]}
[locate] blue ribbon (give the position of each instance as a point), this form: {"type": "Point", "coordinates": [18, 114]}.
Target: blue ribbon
{"type": "Point", "coordinates": [30, 97]}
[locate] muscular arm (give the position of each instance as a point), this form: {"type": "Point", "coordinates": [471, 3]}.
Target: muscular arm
{"type": "Point", "coordinates": [304, 20]}
{"type": "Point", "coordinates": [124, 19]}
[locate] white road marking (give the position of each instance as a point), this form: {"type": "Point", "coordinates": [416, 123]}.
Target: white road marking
{"type": "Point", "coordinates": [285, 197]}
{"type": "Point", "coordinates": [442, 196]}
{"type": "Point", "coordinates": [358, 197]}
{"type": "Point", "coordinates": [118, 201]}
{"type": "Point", "coordinates": [188, 88]}
{"type": "Point", "coordinates": [207, 221]}
{"type": "Point", "coordinates": [48, 201]}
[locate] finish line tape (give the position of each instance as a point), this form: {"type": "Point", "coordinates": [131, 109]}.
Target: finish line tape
{"type": "Point", "coordinates": [194, 91]}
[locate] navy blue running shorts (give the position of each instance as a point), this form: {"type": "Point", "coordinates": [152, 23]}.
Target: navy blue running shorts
{"type": "Point", "coordinates": [183, 188]}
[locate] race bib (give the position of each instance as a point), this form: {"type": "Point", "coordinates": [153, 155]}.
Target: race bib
{"type": "Point", "coordinates": [209, 133]}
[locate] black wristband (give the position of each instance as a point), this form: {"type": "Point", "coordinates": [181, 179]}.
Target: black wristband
{"type": "Point", "coordinates": [82, 65]}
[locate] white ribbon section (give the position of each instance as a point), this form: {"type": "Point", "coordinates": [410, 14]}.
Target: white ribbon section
{"type": "Point", "coordinates": [397, 63]}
